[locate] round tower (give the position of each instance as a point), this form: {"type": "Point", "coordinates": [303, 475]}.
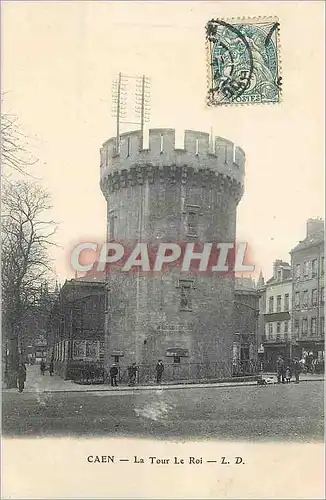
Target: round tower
{"type": "Point", "coordinates": [164, 194]}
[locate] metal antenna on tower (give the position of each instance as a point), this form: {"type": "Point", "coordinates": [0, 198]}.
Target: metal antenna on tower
{"type": "Point", "coordinates": [119, 100]}
{"type": "Point", "coordinates": [143, 103]}
{"type": "Point", "coordinates": [120, 110]}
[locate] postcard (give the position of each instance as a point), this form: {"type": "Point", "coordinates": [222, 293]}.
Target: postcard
{"type": "Point", "coordinates": [163, 331]}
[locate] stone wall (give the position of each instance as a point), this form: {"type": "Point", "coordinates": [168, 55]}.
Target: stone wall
{"type": "Point", "coordinates": [150, 193]}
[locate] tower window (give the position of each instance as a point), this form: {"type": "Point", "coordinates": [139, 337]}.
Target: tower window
{"type": "Point", "coordinates": [185, 295]}
{"type": "Point", "coordinates": [111, 225]}
{"type": "Point", "coordinates": [192, 213]}
{"type": "Point", "coordinates": [161, 146]}
{"type": "Point", "coordinates": [128, 147]}
{"type": "Point", "coordinates": [192, 223]}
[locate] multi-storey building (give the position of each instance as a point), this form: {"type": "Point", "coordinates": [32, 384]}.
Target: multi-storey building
{"type": "Point", "coordinates": [308, 297]}
{"type": "Point", "coordinates": [75, 334]}
{"type": "Point", "coordinates": [275, 311]}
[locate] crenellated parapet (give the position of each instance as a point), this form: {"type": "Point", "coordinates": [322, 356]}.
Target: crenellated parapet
{"type": "Point", "coordinates": [221, 166]}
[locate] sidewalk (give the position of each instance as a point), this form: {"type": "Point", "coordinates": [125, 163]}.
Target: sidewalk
{"type": "Point", "coordinates": [304, 377]}
{"type": "Point", "coordinates": [36, 383]}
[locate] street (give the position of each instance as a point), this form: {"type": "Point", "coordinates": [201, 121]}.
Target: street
{"type": "Point", "coordinates": [274, 412]}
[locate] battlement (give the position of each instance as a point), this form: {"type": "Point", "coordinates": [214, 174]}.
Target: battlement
{"type": "Point", "coordinates": [223, 158]}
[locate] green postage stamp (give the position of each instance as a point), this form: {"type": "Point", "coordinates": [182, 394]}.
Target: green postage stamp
{"type": "Point", "coordinates": [243, 61]}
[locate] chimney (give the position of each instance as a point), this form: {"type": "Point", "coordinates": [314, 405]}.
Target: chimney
{"type": "Point", "coordinates": [314, 226]}
{"type": "Point", "coordinates": [276, 266]}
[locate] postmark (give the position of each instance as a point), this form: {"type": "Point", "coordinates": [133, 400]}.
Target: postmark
{"type": "Point", "coordinates": [243, 61]}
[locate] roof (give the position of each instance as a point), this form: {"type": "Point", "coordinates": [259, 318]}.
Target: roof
{"type": "Point", "coordinates": [89, 278]}
{"type": "Point", "coordinates": [84, 280]}
{"type": "Point", "coordinates": [275, 281]}
{"type": "Point", "coordinates": [310, 241]}
{"type": "Point", "coordinates": [244, 283]}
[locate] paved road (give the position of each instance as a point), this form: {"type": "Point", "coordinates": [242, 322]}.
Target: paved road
{"type": "Point", "coordinates": [274, 412]}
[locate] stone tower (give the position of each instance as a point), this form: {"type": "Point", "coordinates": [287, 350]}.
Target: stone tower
{"type": "Point", "coordinates": [164, 194]}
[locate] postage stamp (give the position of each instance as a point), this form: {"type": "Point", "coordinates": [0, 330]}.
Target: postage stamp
{"type": "Point", "coordinates": [243, 61]}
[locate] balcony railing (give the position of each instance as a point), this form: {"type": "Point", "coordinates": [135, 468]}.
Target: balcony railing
{"type": "Point", "coordinates": [311, 336]}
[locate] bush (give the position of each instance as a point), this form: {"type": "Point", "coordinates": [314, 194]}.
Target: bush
{"type": "Point", "coordinates": [86, 372]}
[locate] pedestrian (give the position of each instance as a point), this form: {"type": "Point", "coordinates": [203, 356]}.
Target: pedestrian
{"type": "Point", "coordinates": [288, 375]}
{"type": "Point", "coordinates": [42, 367]}
{"type": "Point", "coordinates": [159, 371]}
{"type": "Point", "coordinates": [280, 370]}
{"type": "Point", "coordinates": [21, 377]}
{"type": "Point", "coordinates": [313, 365]}
{"type": "Point", "coordinates": [113, 375]}
{"type": "Point", "coordinates": [132, 372]}
{"type": "Point", "coordinates": [296, 369]}
{"type": "Point", "coordinates": [51, 367]}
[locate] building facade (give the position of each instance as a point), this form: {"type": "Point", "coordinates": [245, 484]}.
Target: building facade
{"type": "Point", "coordinates": [246, 313]}
{"type": "Point", "coordinates": [276, 311]}
{"type": "Point", "coordinates": [163, 194]}
{"type": "Point", "coordinates": [75, 330]}
{"type": "Point", "coordinates": [308, 297]}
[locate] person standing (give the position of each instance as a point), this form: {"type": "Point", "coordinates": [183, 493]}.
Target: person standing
{"type": "Point", "coordinates": [288, 375]}
{"type": "Point", "coordinates": [159, 371]}
{"type": "Point", "coordinates": [113, 375]}
{"type": "Point", "coordinates": [21, 377]}
{"type": "Point", "coordinates": [51, 367]}
{"type": "Point", "coordinates": [297, 370]}
{"type": "Point", "coordinates": [42, 367]}
{"type": "Point", "coordinates": [280, 370]}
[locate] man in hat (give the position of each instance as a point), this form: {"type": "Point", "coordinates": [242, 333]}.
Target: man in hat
{"type": "Point", "coordinates": [159, 371]}
{"type": "Point", "coordinates": [113, 375]}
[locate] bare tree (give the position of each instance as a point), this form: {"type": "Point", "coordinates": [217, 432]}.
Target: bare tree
{"type": "Point", "coordinates": [26, 236]}
{"type": "Point", "coordinates": [14, 153]}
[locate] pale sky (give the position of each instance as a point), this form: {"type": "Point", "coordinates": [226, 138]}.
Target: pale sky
{"type": "Point", "coordinates": [58, 62]}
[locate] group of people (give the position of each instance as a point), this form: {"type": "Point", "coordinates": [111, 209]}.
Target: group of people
{"type": "Point", "coordinates": [285, 370]}
{"type": "Point", "coordinates": [308, 362]}
{"type": "Point", "coordinates": [132, 373]}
